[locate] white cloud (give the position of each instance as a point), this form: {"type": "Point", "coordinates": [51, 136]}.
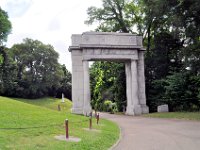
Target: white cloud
{"type": "Point", "coordinates": [17, 8]}
{"type": "Point", "coordinates": [50, 21]}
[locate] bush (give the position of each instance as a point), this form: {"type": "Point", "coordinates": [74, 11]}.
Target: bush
{"type": "Point", "coordinates": [109, 106]}
{"type": "Point", "coordinates": [114, 108]}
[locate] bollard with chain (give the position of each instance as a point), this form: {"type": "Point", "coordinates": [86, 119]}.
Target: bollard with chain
{"type": "Point", "coordinates": [67, 128]}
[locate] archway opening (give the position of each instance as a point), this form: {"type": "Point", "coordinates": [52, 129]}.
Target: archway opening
{"type": "Point", "coordinates": [108, 86]}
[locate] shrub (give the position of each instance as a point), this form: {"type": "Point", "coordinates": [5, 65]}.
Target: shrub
{"type": "Point", "coordinates": [114, 108]}
{"type": "Point", "coordinates": [109, 106]}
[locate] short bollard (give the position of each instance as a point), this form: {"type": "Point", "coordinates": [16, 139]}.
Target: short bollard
{"type": "Point", "coordinates": [67, 128]}
{"type": "Point", "coordinates": [90, 114]}
{"type": "Point", "coordinates": [90, 123]}
{"type": "Point", "coordinates": [95, 113]}
{"type": "Point", "coordinates": [59, 107]}
{"type": "Point", "coordinates": [97, 118]}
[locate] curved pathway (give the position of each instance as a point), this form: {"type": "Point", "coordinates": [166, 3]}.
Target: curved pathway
{"type": "Point", "coordinates": [140, 133]}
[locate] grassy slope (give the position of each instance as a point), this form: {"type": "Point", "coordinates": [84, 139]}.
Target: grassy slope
{"type": "Point", "coordinates": [22, 113]}
{"type": "Point", "coordinates": [50, 103]}
{"type": "Point", "coordinates": [176, 115]}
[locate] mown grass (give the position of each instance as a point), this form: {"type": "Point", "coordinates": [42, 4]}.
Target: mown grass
{"type": "Point", "coordinates": [48, 102]}
{"type": "Point", "coordinates": [176, 115]}
{"type": "Point", "coordinates": [32, 124]}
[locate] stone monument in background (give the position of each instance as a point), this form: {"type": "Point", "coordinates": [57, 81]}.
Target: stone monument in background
{"type": "Point", "coordinates": [103, 46]}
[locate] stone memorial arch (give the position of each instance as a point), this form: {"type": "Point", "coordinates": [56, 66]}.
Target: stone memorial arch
{"type": "Point", "coordinates": [103, 46]}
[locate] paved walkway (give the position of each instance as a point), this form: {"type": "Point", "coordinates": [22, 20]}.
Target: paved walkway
{"type": "Point", "coordinates": [139, 133]}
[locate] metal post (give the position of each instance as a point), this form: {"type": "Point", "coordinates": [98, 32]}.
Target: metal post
{"type": "Point", "coordinates": [90, 123]}
{"type": "Point", "coordinates": [59, 107]}
{"type": "Point", "coordinates": [67, 128]}
{"type": "Point", "coordinates": [90, 114]}
{"type": "Point", "coordinates": [97, 118]}
{"type": "Point", "coordinates": [95, 114]}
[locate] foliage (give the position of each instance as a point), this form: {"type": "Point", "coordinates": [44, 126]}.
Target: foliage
{"type": "Point", "coordinates": [48, 123]}
{"type": "Point", "coordinates": [7, 73]}
{"type": "Point", "coordinates": [31, 70]}
{"type": "Point", "coordinates": [116, 15]}
{"type": "Point", "coordinates": [97, 86]}
{"type": "Point", "coordinates": [170, 45]}
{"type": "Point", "coordinates": [65, 85]}
{"type": "Point", "coordinates": [171, 32]}
{"type": "Point", "coordinates": [182, 91]}
{"type": "Point", "coordinates": [38, 69]}
{"type": "Point", "coordinates": [5, 26]}
{"type": "Point", "coordinates": [109, 106]}
{"type": "Point", "coordinates": [107, 82]}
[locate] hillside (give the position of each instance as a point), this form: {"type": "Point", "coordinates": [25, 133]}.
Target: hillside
{"type": "Point", "coordinates": [32, 124]}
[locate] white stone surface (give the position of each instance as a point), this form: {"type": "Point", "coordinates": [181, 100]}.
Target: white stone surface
{"type": "Point", "coordinates": [145, 109]}
{"type": "Point", "coordinates": [77, 82]}
{"type": "Point", "coordinates": [122, 47]}
{"type": "Point", "coordinates": [141, 83]}
{"type": "Point", "coordinates": [98, 38]}
{"type": "Point", "coordinates": [63, 100]}
{"type": "Point", "coordinates": [86, 108]}
{"type": "Point", "coordinates": [163, 108]}
{"type": "Point", "coordinates": [134, 82]}
{"type": "Point", "coordinates": [129, 108]}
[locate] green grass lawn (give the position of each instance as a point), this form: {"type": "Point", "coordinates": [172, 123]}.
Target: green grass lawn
{"type": "Point", "coordinates": [32, 124]}
{"type": "Point", "coordinates": [176, 115]}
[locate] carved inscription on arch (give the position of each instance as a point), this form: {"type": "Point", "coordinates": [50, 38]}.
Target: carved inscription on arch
{"type": "Point", "coordinates": [109, 52]}
{"type": "Point", "coordinates": [103, 52]}
{"type": "Point", "coordinates": [90, 54]}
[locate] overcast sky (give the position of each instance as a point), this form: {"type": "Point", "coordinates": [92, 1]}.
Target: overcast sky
{"type": "Point", "coordinates": [50, 21]}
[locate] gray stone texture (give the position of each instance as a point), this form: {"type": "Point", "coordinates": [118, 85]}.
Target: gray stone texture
{"type": "Point", "coordinates": [124, 47]}
{"type": "Point", "coordinates": [163, 108]}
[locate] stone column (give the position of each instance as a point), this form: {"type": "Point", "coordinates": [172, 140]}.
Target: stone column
{"type": "Point", "coordinates": [77, 81]}
{"type": "Point", "coordinates": [129, 108]}
{"type": "Point", "coordinates": [141, 83]}
{"type": "Point", "coordinates": [134, 75]}
{"type": "Point", "coordinates": [87, 107]}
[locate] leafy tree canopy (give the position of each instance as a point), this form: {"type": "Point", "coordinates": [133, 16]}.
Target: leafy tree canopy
{"type": "Point", "coordinates": [116, 15]}
{"type": "Point", "coordinates": [5, 26]}
{"type": "Point", "coordinates": [31, 70]}
{"type": "Point", "coordinates": [171, 34]}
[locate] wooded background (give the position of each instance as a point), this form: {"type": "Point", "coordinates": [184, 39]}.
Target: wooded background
{"type": "Point", "coordinates": [171, 36]}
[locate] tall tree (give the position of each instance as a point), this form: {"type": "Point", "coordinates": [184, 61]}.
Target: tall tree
{"type": "Point", "coordinates": [173, 43]}
{"type": "Point", "coordinates": [5, 26]}
{"type": "Point", "coordinates": [7, 73]}
{"type": "Point", "coordinates": [116, 15]}
{"type": "Point", "coordinates": [38, 68]}
{"type": "Point", "coordinates": [171, 32]}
